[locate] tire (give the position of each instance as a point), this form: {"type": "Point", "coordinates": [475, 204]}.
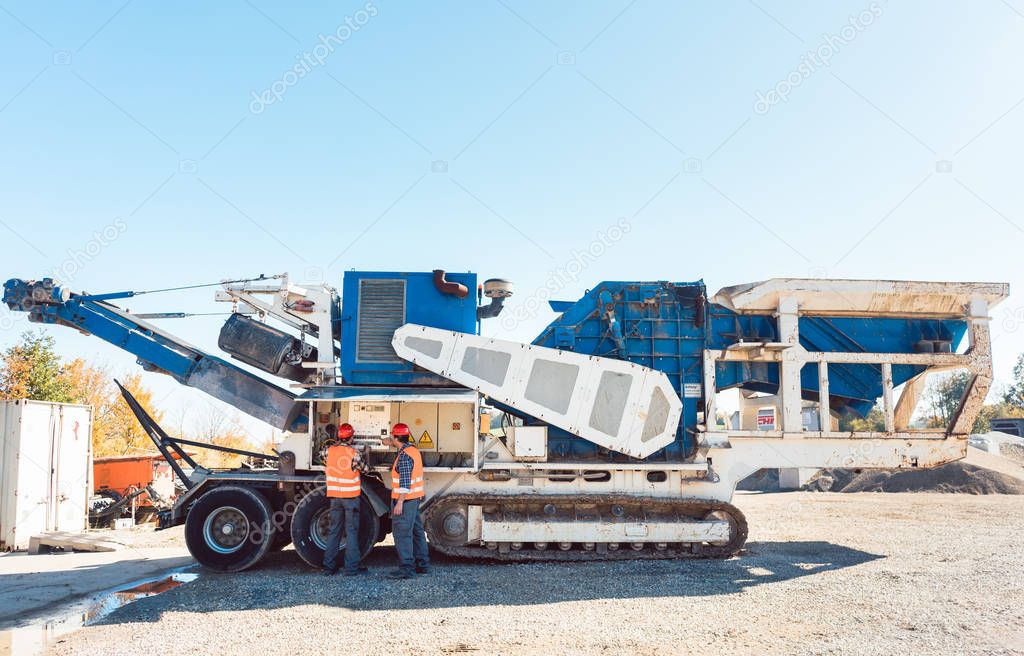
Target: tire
{"type": "Point", "coordinates": [228, 528]}
{"type": "Point", "coordinates": [282, 536]}
{"type": "Point", "coordinates": [311, 523]}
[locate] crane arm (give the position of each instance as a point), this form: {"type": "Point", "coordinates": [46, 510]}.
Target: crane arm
{"type": "Point", "coordinates": [47, 302]}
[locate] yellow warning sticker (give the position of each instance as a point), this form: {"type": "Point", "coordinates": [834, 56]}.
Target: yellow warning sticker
{"type": "Point", "coordinates": [425, 441]}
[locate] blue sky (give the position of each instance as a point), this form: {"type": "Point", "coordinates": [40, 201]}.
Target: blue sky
{"type": "Point", "coordinates": [505, 137]}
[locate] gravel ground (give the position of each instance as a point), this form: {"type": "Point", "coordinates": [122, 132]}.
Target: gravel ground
{"type": "Point", "coordinates": [823, 573]}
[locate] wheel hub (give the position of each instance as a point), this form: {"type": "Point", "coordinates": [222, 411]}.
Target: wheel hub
{"type": "Point", "coordinates": [225, 529]}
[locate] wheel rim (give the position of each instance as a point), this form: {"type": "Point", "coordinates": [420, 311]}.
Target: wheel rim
{"type": "Point", "coordinates": [320, 529]}
{"type": "Point", "coordinates": [225, 529]}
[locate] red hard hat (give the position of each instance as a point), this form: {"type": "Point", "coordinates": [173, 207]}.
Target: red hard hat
{"type": "Point", "coordinates": [345, 432]}
{"type": "Point", "coordinates": [400, 430]}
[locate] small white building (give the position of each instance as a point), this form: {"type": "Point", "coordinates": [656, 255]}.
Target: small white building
{"type": "Point", "coordinates": [45, 469]}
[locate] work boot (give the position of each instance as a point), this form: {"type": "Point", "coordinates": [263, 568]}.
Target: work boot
{"type": "Point", "coordinates": [399, 574]}
{"type": "Point", "coordinates": [423, 569]}
{"type": "Point", "coordinates": [355, 572]}
{"type": "Point", "coordinates": [329, 572]}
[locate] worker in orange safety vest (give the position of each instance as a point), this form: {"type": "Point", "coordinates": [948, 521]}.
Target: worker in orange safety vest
{"type": "Point", "coordinates": [406, 495]}
{"type": "Point", "coordinates": [344, 465]}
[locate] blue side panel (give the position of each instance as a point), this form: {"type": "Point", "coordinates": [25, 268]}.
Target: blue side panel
{"type": "Point", "coordinates": [375, 303]}
{"type": "Point", "coordinates": [852, 386]}
{"type": "Point", "coordinates": [656, 324]}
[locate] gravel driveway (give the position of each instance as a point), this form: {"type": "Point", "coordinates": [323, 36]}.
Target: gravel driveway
{"type": "Point", "coordinates": [823, 573]}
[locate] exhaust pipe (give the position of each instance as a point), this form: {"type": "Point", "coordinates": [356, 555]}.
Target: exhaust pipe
{"type": "Point", "coordinates": [456, 289]}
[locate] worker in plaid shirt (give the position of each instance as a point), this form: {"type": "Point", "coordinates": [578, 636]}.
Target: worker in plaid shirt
{"type": "Point", "coordinates": [407, 493]}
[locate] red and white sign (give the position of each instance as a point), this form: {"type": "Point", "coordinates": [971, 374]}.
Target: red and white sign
{"type": "Point", "coordinates": [766, 419]}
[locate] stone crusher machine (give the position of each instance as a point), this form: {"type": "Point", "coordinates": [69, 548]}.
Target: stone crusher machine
{"type": "Point", "coordinates": [606, 442]}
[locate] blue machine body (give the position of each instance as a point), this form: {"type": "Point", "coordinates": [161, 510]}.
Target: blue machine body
{"type": "Point", "coordinates": [667, 326]}
{"type": "Point", "coordinates": [376, 303]}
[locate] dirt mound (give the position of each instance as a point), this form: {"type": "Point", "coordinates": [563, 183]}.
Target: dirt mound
{"type": "Point", "coordinates": [763, 480]}
{"type": "Point", "coordinates": [956, 477]}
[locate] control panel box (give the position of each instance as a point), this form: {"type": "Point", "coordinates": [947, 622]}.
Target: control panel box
{"type": "Point", "coordinates": [528, 442]}
{"type": "Point", "coordinates": [438, 423]}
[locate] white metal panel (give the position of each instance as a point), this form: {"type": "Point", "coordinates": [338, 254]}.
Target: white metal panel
{"type": "Point", "coordinates": [299, 444]}
{"type": "Point", "coordinates": [33, 438]}
{"type": "Point", "coordinates": [863, 297]}
{"type": "Point", "coordinates": [528, 441]}
{"type": "Point", "coordinates": [581, 531]}
{"type": "Point", "coordinates": [456, 427]}
{"type": "Point", "coordinates": [7, 476]}
{"type": "Point", "coordinates": [558, 387]}
{"type": "Point", "coordinates": [73, 467]}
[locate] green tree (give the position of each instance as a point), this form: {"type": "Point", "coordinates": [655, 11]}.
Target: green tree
{"type": "Point", "coordinates": [872, 422]}
{"type": "Point", "coordinates": [31, 369]}
{"type": "Point", "coordinates": [983, 423]}
{"type": "Point", "coordinates": [1014, 396]}
{"type": "Point", "coordinates": [943, 397]}
{"type": "Point", "coordinates": [938, 405]}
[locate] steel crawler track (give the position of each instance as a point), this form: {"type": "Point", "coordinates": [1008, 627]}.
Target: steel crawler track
{"type": "Point", "coordinates": [509, 505]}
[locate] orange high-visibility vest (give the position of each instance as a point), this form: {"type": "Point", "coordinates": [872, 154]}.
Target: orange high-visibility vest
{"type": "Point", "coordinates": [342, 479]}
{"type": "Point", "coordinates": [416, 483]}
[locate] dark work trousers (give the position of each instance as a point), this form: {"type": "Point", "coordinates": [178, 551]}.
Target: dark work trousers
{"type": "Point", "coordinates": [344, 517]}
{"type": "Point", "coordinates": [410, 540]}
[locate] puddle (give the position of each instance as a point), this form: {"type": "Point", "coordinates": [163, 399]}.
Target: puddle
{"type": "Point", "coordinates": [35, 637]}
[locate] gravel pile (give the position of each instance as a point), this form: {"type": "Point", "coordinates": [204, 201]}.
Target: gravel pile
{"type": "Point", "coordinates": [955, 477]}
{"type": "Point", "coordinates": [979, 473]}
{"type": "Point", "coordinates": [823, 573]}
{"type": "Point", "coordinates": [1014, 452]}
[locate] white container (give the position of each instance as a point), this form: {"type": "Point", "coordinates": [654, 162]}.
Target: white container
{"type": "Point", "coordinates": [45, 469]}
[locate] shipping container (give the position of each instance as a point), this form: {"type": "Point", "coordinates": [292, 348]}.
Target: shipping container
{"type": "Point", "coordinates": [45, 469]}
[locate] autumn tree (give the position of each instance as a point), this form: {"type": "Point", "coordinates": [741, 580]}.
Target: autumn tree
{"type": "Point", "coordinates": [214, 426]}
{"type": "Point", "coordinates": [31, 369]}
{"type": "Point", "coordinates": [122, 433]}
{"type": "Point", "coordinates": [91, 385]}
{"type": "Point", "coordinates": [115, 430]}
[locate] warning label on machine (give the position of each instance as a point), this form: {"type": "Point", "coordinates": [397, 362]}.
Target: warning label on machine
{"type": "Point", "coordinates": [425, 442]}
{"type": "Point", "coordinates": [691, 390]}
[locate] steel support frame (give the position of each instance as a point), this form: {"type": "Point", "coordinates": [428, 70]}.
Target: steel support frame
{"type": "Point", "coordinates": [791, 357]}
{"type": "Point", "coordinates": [283, 295]}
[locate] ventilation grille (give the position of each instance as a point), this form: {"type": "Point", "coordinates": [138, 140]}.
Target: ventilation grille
{"type": "Point", "coordinates": [381, 313]}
